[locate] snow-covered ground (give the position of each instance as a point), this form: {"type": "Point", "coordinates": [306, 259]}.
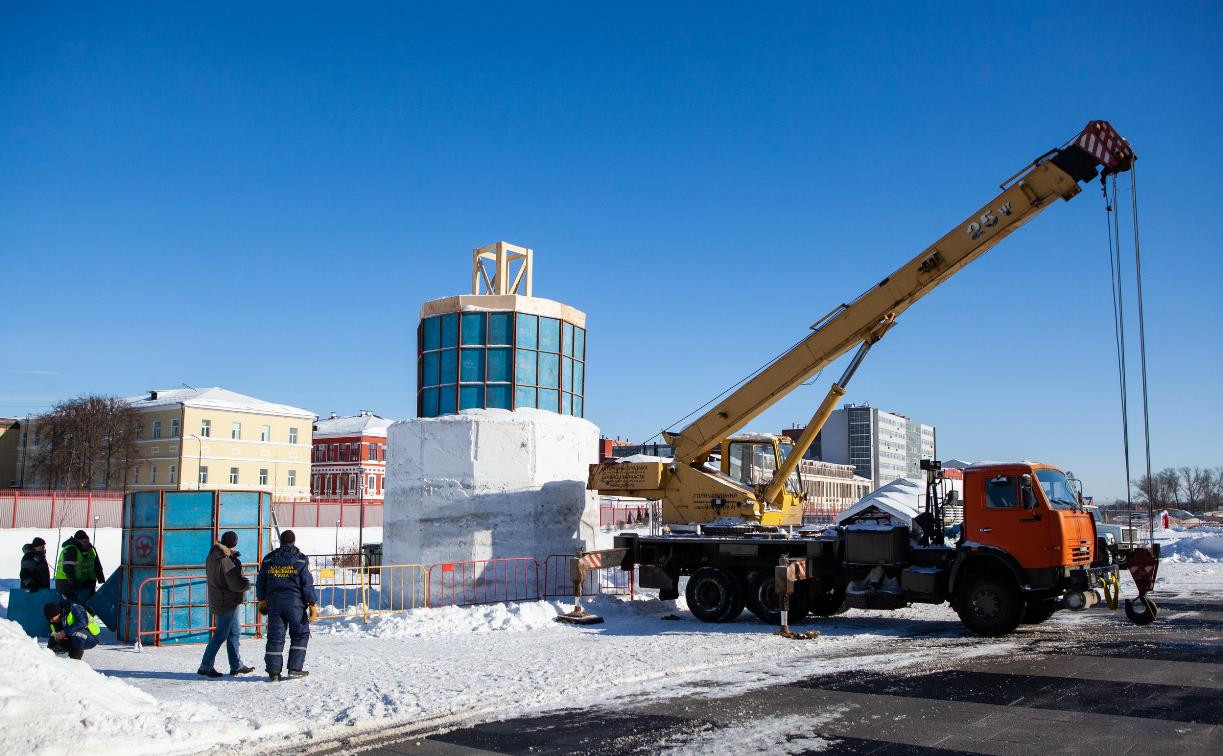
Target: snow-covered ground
{"type": "Point", "coordinates": [432, 667]}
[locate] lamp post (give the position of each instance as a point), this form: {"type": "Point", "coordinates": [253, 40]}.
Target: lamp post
{"type": "Point", "coordinates": [199, 460]}
{"type": "Point", "coordinates": [95, 527]}
{"type": "Point", "coordinates": [337, 540]}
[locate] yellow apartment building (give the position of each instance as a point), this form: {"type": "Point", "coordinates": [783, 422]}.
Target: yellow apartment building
{"type": "Point", "coordinates": [213, 438]}
{"type": "Point", "coordinates": [10, 432]}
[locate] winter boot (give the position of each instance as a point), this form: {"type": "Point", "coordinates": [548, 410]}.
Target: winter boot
{"type": "Point", "coordinates": [208, 673]}
{"type": "Point", "coordinates": [273, 677]}
{"type": "Point", "coordinates": [241, 671]}
{"type": "Point", "coordinates": [298, 673]}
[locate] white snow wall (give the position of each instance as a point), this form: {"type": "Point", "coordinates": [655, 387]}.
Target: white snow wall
{"type": "Point", "coordinates": [486, 484]}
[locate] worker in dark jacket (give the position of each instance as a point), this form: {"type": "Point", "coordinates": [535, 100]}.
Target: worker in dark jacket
{"type": "Point", "coordinates": [35, 573]}
{"type": "Point", "coordinates": [227, 586]}
{"type": "Point", "coordinates": [285, 590]}
{"type": "Point", "coordinates": [73, 629]}
{"type": "Point", "coordinates": [79, 570]}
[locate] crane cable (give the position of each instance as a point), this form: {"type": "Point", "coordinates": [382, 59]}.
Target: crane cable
{"type": "Point", "coordinates": [1112, 217]}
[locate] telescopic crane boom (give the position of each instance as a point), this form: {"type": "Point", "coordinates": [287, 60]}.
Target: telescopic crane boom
{"type": "Point", "coordinates": [694, 493]}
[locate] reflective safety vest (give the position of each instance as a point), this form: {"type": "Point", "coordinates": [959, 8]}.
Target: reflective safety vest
{"type": "Point", "coordinates": [83, 564]}
{"type": "Point", "coordinates": [70, 620]}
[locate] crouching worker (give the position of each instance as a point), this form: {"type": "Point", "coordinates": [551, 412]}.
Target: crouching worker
{"type": "Point", "coordinates": [73, 630]}
{"type": "Point", "coordinates": [285, 590]}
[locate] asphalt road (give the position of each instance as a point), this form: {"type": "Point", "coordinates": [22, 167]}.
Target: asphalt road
{"type": "Point", "coordinates": [1100, 685]}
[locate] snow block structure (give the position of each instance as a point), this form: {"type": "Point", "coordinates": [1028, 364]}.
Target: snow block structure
{"type": "Point", "coordinates": [487, 484]}
{"type": "Point", "coordinates": [495, 465]}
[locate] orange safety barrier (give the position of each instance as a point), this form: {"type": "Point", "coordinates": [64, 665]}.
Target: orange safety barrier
{"type": "Point", "coordinates": [484, 581]}
{"type": "Point", "coordinates": [181, 600]}
{"type": "Point", "coordinates": [611, 581]}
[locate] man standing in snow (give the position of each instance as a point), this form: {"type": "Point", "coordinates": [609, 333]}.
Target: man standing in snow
{"type": "Point", "coordinates": [79, 570]}
{"type": "Point", "coordinates": [35, 573]}
{"type": "Point", "coordinates": [73, 630]}
{"type": "Point", "coordinates": [227, 587]}
{"type": "Point", "coordinates": [285, 590]}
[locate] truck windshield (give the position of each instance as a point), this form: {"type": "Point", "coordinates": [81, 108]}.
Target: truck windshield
{"type": "Point", "coordinates": [1057, 489]}
{"type": "Point", "coordinates": [752, 463]}
{"type": "Point", "coordinates": [794, 483]}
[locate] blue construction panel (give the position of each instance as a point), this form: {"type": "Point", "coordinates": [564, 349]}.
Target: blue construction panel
{"type": "Point", "coordinates": [473, 328]}
{"type": "Point", "coordinates": [25, 609]}
{"type": "Point", "coordinates": [499, 396]}
{"type": "Point", "coordinates": [184, 625]}
{"type": "Point", "coordinates": [471, 368]}
{"type": "Point", "coordinates": [143, 510]}
{"type": "Point", "coordinates": [500, 328]}
{"type": "Point", "coordinates": [239, 508]}
{"type": "Point", "coordinates": [187, 589]}
{"type": "Point", "coordinates": [450, 365]}
{"type": "Point", "coordinates": [105, 603]}
{"type": "Point", "coordinates": [579, 343]}
{"type": "Point", "coordinates": [248, 543]}
{"type": "Point", "coordinates": [432, 336]}
{"type": "Point", "coordinates": [447, 399]}
{"type": "Point", "coordinates": [140, 547]}
{"type": "Point", "coordinates": [185, 547]}
{"type": "Point", "coordinates": [429, 402]}
{"type": "Point", "coordinates": [450, 330]}
{"type": "Point", "coordinates": [549, 399]}
{"type": "Point", "coordinates": [430, 368]}
{"type": "Point", "coordinates": [528, 331]}
{"type": "Point", "coordinates": [525, 367]}
{"type": "Point", "coordinates": [567, 374]}
{"type": "Point", "coordinates": [549, 335]}
{"type": "Point", "coordinates": [499, 365]}
{"type": "Point", "coordinates": [471, 397]}
{"type": "Point", "coordinates": [187, 509]}
{"type": "Point", "coordinates": [567, 338]}
{"type": "Point", "coordinates": [549, 370]}
{"type": "Point", "coordinates": [524, 396]}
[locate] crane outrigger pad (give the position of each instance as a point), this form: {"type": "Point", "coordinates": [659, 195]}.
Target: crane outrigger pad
{"type": "Point", "coordinates": [578, 616]}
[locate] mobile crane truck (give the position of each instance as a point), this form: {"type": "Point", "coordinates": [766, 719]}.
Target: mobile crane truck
{"type": "Point", "coordinates": [1027, 547]}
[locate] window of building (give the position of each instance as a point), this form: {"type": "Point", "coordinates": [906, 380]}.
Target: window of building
{"type": "Point", "coordinates": [369, 483]}
{"type": "Point", "coordinates": [206, 428]}
{"type": "Point", "coordinates": [172, 474]}
{"type": "Point", "coordinates": [140, 432]}
{"type": "Point", "coordinates": [293, 435]}
{"type": "Point", "coordinates": [343, 452]}
{"type": "Point", "coordinates": [174, 428]}
{"type": "Point", "coordinates": [203, 475]}
{"type": "Point", "coordinates": [263, 476]}
{"type": "Point", "coordinates": [293, 477]}
{"type": "Point", "coordinates": [354, 451]}
{"type": "Point", "coordinates": [233, 476]}
{"type": "Point", "coordinates": [265, 433]}
{"type": "Point", "coordinates": [156, 429]}
{"type": "Point", "coordinates": [152, 474]}
{"type": "Point", "coordinates": [382, 452]}
{"type": "Point", "coordinates": [235, 431]}
{"type": "Point", "coordinates": [371, 452]}
{"type": "Point", "coordinates": [136, 474]}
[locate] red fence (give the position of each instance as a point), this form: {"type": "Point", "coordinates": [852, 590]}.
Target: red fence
{"type": "Point", "coordinates": [623, 515]}
{"type": "Point", "coordinates": [29, 508]}
{"type": "Point", "coordinates": [323, 513]}
{"type": "Point", "coordinates": [558, 580]}
{"type": "Point", "coordinates": [483, 581]}
{"type": "Point", "coordinates": [183, 615]}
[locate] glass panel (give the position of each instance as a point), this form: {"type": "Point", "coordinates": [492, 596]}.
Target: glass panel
{"type": "Point", "coordinates": [579, 343]}
{"type": "Point", "coordinates": [549, 335]}
{"type": "Point", "coordinates": [566, 404]}
{"type": "Point", "coordinates": [449, 365]}
{"type": "Point", "coordinates": [567, 374]}
{"type": "Point", "coordinates": [524, 396]}
{"type": "Point", "coordinates": [499, 396]}
{"type": "Point", "coordinates": [450, 329]}
{"type": "Point", "coordinates": [567, 338]}
{"type": "Point", "coordinates": [579, 378]}
{"type": "Point", "coordinates": [549, 370]}
{"type": "Point", "coordinates": [429, 364]}
{"type": "Point", "coordinates": [500, 328]}
{"type": "Point", "coordinates": [499, 364]}
{"type": "Point", "coordinates": [473, 366]}
{"type": "Point", "coordinates": [433, 333]}
{"type": "Point", "coordinates": [528, 325]}
{"type": "Point", "coordinates": [473, 328]}
{"type": "Point", "coordinates": [577, 406]}
{"type": "Point", "coordinates": [549, 399]}
{"type": "Point", "coordinates": [471, 397]}
{"type": "Point", "coordinates": [446, 401]}
{"type": "Point", "coordinates": [525, 369]}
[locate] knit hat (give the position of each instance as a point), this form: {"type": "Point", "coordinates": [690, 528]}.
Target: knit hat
{"type": "Point", "coordinates": [81, 535]}
{"type": "Point", "coordinates": [229, 539]}
{"type": "Point", "coordinates": [51, 610]}
{"type": "Point", "coordinates": [288, 536]}
{"type": "Point", "coordinates": [38, 542]}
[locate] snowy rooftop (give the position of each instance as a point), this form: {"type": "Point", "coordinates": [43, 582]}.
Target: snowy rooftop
{"type": "Point", "coordinates": [214, 397]}
{"type": "Point", "coordinates": [902, 499]}
{"type": "Point", "coordinates": [364, 424]}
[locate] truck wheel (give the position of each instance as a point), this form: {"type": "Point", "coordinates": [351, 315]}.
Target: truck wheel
{"type": "Point", "coordinates": [1037, 612]}
{"type": "Point", "coordinates": [828, 603]}
{"type": "Point", "coordinates": [989, 604]}
{"type": "Point", "coordinates": [762, 600]}
{"type": "Point", "coordinates": [713, 595]}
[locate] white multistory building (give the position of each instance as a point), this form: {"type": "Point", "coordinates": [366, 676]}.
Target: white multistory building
{"type": "Point", "coordinates": [881, 446]}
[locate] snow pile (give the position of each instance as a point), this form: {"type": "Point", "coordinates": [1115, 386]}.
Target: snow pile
{"type": "Point", "coordinates": [1200, 545]}
{"type": "Point", "coordinates": [450, 620]}
{"type": "Point", "coordinates": [791, 734]}
{"type": "Point", "coordinates": [54, 705]}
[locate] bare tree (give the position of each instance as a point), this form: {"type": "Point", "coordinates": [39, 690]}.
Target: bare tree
{"type": "Point", "coordinates": [1197, 483]}
{"type": "Point", "coordinates": [86, 443]}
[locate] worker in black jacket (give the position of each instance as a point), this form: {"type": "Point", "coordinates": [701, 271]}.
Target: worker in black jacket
{"type": "Point", "coordinates": [285, 590]}
{"type": "Point", "coordinates": [73, 629]}
{"type": "Point", "coordinates": [35, 572]}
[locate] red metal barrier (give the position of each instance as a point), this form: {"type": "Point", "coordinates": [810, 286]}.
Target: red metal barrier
{"type": "Point", "coordinates": [34, 508]}
{"type": "Point", "coordinates": [197, 598]}
{"type": "Point", "coordinates": [323, 513]}
{"type": "Point", "coordinates": [623, 515]}
{"type": "Point", "coordinates": [558, 580]}
{"type": "Point", "coordinates": [485, 581]}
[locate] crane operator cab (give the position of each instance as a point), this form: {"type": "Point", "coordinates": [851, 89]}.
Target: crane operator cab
{"type": "Point", "coordinates": [753, 460]}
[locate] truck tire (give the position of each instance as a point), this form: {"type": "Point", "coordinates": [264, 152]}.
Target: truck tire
{"type": "Point", "coordinates": [989, 604]}
{"type": "Point", "coordinates": [1037, 612]}
{"type": "Point", "coordinates": [828, 603]}
{"type": "Point", "coordinates": [761, 598]}
{"type": "Point", "coordinates": [714, 595]}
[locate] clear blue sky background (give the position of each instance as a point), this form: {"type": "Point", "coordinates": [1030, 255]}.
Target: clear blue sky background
{"type": "Point", "coordinates": [261, 197]}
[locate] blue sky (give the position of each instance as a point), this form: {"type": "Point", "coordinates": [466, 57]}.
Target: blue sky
{"type": "Point", "coordinates": [261, 198]}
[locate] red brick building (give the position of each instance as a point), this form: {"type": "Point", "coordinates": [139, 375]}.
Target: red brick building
{"type": "Point", "coordinates": [349, 458]}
